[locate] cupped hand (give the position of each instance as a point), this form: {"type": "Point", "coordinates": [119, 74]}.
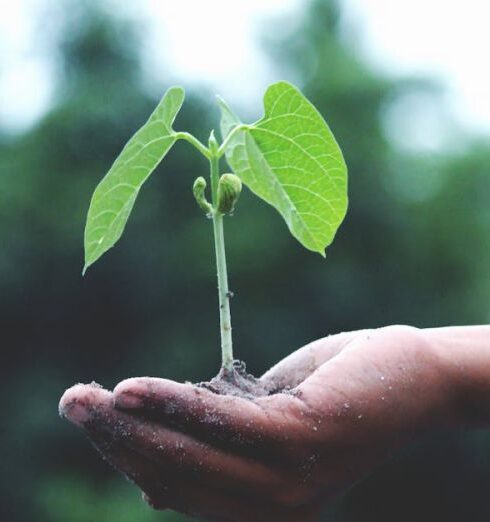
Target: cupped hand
{"type": "Point", "coordinates": [347, 401]}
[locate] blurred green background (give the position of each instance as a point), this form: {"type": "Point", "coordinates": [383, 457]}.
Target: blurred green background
{"type": "Point", "coordinates": [414, 249]}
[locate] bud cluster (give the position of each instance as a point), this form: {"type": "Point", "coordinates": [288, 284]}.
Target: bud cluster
{"type": "Point", "coordinates": [229, 189]}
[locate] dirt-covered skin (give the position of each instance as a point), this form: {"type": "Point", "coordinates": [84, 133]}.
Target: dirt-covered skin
{"type": "Point", "coordinates": [351, 400]}
{"type": "Point", "coordinates": [238, 383]}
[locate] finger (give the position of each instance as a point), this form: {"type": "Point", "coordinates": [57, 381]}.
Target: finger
{"type": "Point", "coordinates": [295, 368]}
{"type": "Point", "coordinates": [78, 402]}
{"type": "Point", "coordinates": [75, 405]}
{"type": "Point", "coordinates": [170, 450]}
{"type": "Point", "coordinates": [219, 506]}
{"type": "Point", "coordinates": [194, 460]}
{"type": "Point", "coordinates": [139, 470]}
{"type": "Point", "coordinates": [166, 489]}
{"type": "Point", "coordinates": [228, 421]}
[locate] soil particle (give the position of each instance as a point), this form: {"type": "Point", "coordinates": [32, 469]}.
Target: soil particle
{"type": "Point", "coordinates": [237, 382]}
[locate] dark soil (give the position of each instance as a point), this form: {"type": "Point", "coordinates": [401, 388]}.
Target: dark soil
{"type": "Point", "coordinates": [238, 383]}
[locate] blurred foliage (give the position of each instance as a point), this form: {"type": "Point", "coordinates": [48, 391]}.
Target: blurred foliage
{"type": "Point", "coordinates": [73, 498]}
{"type": "Point", "coordinates": [415, 248]}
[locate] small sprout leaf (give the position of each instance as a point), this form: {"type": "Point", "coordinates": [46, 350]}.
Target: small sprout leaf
{"type": "Point", "coordinates": [213, 143]}
{"type": "Point", "coordinates": [199, 190]}
{"type": "Point", "coordinates": [229, 119]}
{"type": "Point", "coordinates": [229, 188]}
{"type": "Point", "coordinates": [292, 161]}
{"type": "Point", "coordinates": [116, 194]}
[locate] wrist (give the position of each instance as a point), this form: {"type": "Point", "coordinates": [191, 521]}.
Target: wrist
{"type": "Point", "coordinates": [464, 355]}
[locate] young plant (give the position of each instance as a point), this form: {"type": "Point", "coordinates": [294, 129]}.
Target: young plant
{"type": "Point", "coordinates": [289, 158]}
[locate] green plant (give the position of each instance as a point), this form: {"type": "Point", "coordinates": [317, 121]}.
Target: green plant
{"type": "Point", "coordinates": [289, 158]}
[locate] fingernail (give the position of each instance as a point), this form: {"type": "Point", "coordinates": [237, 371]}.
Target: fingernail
{"type": "Point", "coordinates": [128, 400]}
{"type": "Point", "coordinates": [75, 412]}
{"type": "Point", "coordinates": [77, 403]}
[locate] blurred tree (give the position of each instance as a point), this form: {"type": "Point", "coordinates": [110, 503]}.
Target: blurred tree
{"type": "Point", "coordinates": [150, 307]}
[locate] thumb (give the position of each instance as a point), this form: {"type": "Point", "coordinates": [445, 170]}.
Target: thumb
{"type": "Point", "coordinates": [295, 368]}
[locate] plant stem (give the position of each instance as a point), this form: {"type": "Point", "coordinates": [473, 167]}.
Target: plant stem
{"type": "Point", "coordinates": [194, 141]}
{"type": "Point", "coordinates": [223, 291]}
{"type": "Point", "coordinates": [231, 135]}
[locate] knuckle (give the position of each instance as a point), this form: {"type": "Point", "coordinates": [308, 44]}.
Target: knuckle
{"type": "Point", "coordinates": [414, 340]}
{"type": "Point", "coordinates": [401, 330]}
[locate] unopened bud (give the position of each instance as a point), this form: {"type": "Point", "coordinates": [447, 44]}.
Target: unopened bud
{"type": "Point", "coordinates": [213, 143]}
{"type": "Point", "coordinates": [199, 189]}
{"type": "Point", "coordinates": [229, 188]}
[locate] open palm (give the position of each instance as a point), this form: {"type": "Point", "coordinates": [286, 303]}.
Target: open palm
{"type": "Point", "coordinates": [346, 402]}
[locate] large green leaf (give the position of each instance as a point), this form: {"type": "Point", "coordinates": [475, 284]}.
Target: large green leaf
{"type": "Point", "coordinates": [115, 195]}
{"type": "Point", "coordinates": [291, 160]}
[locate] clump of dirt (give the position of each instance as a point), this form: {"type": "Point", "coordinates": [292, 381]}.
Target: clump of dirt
{"type": "Point", "coordinates": [237, 382]}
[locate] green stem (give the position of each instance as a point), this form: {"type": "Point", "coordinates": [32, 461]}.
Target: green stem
{"type": "Point", "coordinates": [228, 138]}
{"type": "Point", "coordinates": [223, 291]}
{"type": "Point", "coordinates": [194, 141]}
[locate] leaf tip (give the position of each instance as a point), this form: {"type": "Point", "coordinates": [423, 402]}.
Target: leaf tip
{"type": "Point", "coordinates": [177, 88]}
{"type": "Point", "coordinates": [87, 264]}
{"type": "Point", "coordinates": [224, 106]}
{"type": "Point", "coordinates": [281, 84]}
{"type": "Point", "coordinates": [221, 103]}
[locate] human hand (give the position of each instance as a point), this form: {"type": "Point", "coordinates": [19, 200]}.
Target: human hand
{"type": "Point", "coordinates": [353, 399]}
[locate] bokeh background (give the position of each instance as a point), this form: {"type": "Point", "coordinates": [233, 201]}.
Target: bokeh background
{"type": "Point", "coordinates": [414, 249]}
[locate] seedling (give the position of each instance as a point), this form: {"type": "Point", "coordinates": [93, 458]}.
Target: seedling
{"type": "Point", "coordinates": [289, 158]}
